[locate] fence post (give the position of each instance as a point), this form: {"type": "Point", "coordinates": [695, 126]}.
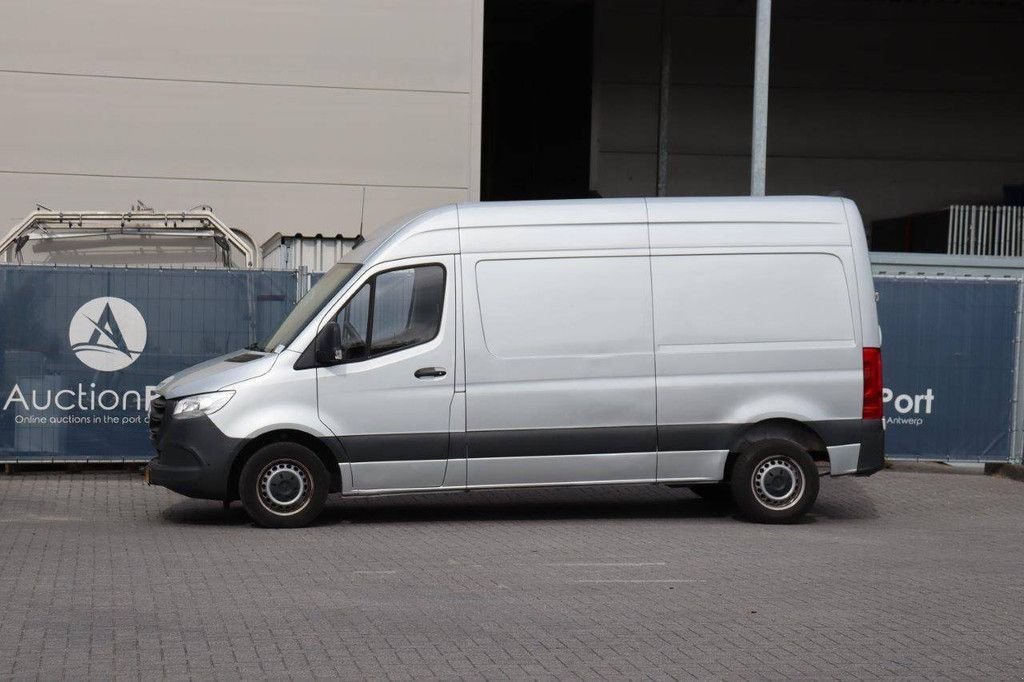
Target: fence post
{"type": "Point", "coordinates": [250, 295]}
{"type": "Point", "coordinates": [1018, 380]}
{"type": "Point", "coordinates": [301, 282]}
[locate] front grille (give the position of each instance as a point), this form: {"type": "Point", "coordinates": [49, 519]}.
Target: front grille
{"type": "Point", "coordinates": [156, 416]}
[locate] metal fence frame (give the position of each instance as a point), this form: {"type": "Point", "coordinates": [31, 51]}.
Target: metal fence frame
{"type": "Point", "coordinates": [1016, 416]}
{"type": "Point", "coordinates": [280, 285]}
{"type": "Point", "coordinates": [884, 265]}
{"type": "Point", "coordinates": [926, 266]}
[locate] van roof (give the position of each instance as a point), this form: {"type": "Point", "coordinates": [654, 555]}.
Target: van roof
{"type": "Point", "coordinates": [802, 209]}
{"type": "Point", "coordinates": [704, 210]}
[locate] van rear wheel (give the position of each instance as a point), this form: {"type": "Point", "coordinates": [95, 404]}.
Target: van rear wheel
{"type": "Point", "coordinates": [283, 485]}
{"type": "Point", "coordinates": [774, 481]}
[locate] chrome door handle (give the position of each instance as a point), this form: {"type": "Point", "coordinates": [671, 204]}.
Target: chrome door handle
{"type": "Point", "coordinates": [427, 372]}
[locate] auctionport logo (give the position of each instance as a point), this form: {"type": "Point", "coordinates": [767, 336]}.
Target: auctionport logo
{"type": "Point", "coordinates": [107, 334]}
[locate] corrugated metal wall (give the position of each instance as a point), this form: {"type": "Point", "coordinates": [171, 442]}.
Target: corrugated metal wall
{"type": "Point", "coordinates": [315, 254]}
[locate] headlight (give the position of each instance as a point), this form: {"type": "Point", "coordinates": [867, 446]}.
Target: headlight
{"type": "Point", "coordinates": [204, 403]}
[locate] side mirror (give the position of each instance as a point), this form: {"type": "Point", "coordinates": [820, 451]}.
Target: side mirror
{"type": "Point", "coordinates": [328, 344]}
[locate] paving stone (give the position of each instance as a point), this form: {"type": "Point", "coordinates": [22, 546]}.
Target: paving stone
{"type": "Point", "coordinates": [904, 574]}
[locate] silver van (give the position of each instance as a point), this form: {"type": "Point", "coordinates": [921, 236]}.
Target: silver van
{"type": "Point", "coordinates": [726, 344]}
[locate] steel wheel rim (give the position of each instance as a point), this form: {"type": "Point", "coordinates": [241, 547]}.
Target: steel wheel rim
{"type": "Point", "coordinates": [778, 483]}
{"type": "Point", "coordinates": [285, 487]}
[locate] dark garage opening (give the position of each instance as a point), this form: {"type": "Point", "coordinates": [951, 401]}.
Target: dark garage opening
{"type": "Point", "coordinates": [909, 107]}
{"type": "Point", "coordinates": [538, 71]}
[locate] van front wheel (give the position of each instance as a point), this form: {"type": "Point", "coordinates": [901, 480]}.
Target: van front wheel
{"type": "Point", "coordinates": [283, 485]}
{"type": "Point", "coordinates": [774, 481]}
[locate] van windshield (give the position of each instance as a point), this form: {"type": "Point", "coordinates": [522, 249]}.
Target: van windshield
{"type": "Point", "coordinates": [309, 305]}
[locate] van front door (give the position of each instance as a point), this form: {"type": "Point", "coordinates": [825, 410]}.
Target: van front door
{"type": "Point", "coordinates": [389, 399]}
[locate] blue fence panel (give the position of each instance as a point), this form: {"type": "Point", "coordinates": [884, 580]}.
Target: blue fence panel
{"type": "Point", "coordinates": [949, 356]}
{"type": "Point", "coordinates": [82, 348]}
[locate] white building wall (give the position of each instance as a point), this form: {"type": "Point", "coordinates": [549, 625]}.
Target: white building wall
{"type": "Point", "coordinates": [312, 116]}
{"type": "Point", "coordinates": [903, 107]}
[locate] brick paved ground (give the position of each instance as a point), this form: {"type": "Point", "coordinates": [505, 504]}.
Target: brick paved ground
{"type": "Point", "coordinates": [913, 575]}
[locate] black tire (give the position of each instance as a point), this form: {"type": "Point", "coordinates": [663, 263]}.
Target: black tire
{"type": "Point", "coordinates": [283, 485]}
{"type": "Point", "coordinates": [774, 481]}
{"type": "Point", "coordinates": [715, 493]}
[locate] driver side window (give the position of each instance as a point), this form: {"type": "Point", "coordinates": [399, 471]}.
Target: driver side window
{"type": "Point", "coordinates": [394, 310]}
{"type": "Point", "coordinates": [353, 320]}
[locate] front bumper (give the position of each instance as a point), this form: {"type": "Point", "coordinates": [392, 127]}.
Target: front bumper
{"type": "Point", "coordinates": [872, 447]}
{"type": "Point", "coordinates": [194, 458]}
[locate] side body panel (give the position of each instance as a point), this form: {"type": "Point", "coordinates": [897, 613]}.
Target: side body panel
{"type": "Point", "coordinates": [757, 317]}
{"type": "Point", "coordinates": [559, 354]}
{"type": "Point", "coordinates": [526, 412]}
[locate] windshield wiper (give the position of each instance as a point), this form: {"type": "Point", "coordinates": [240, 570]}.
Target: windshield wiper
{"type": "Point", "coordinates": [255, 345]}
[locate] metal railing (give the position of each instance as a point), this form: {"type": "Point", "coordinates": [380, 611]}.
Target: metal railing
{"type": "Point", "coordinates": [986, 230]}
{"type": "Point", "coordinates": [141, 224]}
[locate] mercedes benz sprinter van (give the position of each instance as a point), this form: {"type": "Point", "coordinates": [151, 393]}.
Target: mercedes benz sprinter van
{"type": "Point", "coordinates": [726, 344]}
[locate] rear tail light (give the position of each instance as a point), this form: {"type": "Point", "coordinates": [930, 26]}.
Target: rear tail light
{"type": "Point", "coordinates": [872, 383]}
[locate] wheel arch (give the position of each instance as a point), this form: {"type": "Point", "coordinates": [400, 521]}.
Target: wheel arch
{"type": "Point", "coordinates": [788, 429]}
{"type": "Point", "coordinates": [316, 445]}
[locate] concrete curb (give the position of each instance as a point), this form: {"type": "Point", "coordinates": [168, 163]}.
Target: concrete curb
{"type": "Point", "coordinates": [931, 468]}
{"type": "Point", "coordinates": [1012, 471]}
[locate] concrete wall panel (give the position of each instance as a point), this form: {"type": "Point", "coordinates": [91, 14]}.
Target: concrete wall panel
{"type": "Point", "coordinates": [259, 209]}
{"type": "Point", "coordinates": [200, 130]}
{"type": "Point", "coordinates": [373, 44]}
{"type": "Point", "coordinates": [384, 204]}
{"type": "Point", "coordinates": [329, 114]}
